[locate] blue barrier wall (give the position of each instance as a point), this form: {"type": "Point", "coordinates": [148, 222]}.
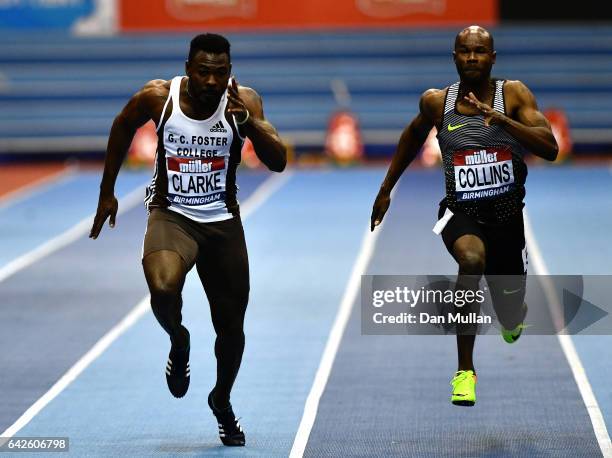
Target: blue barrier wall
{"type": "Point", "coordinates": [39, 14]}
{"type": "Point", "coordinates": [60, 93]}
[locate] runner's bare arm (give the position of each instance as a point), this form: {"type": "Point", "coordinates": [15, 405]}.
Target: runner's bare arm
{"type": "Point", "coordinates": [524, 121]}
{"type": "Point", "coordinates": [266, 141]}
{"type": "Point", "coordinates": [410, 142]}
{"type": "Point", "coordinates": [140, 108]}
{"type": "Point", "coordinates": [531, 128]}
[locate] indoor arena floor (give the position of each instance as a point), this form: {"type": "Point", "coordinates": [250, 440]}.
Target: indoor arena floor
{"type": "Point", "coordinates": [84, 358]}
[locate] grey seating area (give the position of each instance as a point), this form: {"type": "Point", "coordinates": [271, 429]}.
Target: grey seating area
{"type": "Point", "coordinates": [59, 94]}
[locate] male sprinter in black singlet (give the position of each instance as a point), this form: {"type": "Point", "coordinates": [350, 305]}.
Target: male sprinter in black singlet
{"type": "Point", "coordinates": [202, 120]}
{"type": "Point", "coordinates": [484, 128]}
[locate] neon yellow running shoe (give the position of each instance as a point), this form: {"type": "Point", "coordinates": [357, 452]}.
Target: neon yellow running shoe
{"type": "Point", "coordinates": [464, 388]}
{"type": "Point", "coordinates": [512, 335]}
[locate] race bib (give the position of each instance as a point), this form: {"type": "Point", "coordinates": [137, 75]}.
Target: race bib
{"type": "Point", "coordinates": [483, 173]}
{"type": "Point", "coordinates": [196, 181]}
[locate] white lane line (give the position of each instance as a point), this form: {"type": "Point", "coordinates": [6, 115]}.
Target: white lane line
{"type": "Point", "coordinates": [263, 192]}
{"type": "Point", "coordinates": [259, 196]}
{"type": "Point", "coordinates": [36, 187]}
{"type": "Point", "coordinates": [100, 346]}
{"type": "Point", "coordinates": [567, 345]}
{"type": "Point", "coordinates": [333, 342]}
{"type": "Point", "coordinates": [67, 237]}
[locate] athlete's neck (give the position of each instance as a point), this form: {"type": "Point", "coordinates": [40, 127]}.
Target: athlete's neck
{"type": "Point", "coordinates": [481, 89]}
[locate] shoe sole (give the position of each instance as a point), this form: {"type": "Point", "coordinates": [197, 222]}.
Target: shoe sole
{"type": "Point", "coordinates": [240, 444]}
{"type": "Point", "coordinates": [224, 441]}
{"type": "Point", "coordinates": [179, 394]}
{"type": "Point", "coordinates": [464, 403]}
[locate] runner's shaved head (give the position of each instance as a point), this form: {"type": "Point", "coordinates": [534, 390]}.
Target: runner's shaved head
{"type": "Point", "coordinates": [475, 30]}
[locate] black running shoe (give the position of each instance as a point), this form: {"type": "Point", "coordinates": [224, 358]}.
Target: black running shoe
{"type": "Point", "coordinates": [230, 431]}
{"type": "Point", "coordinates": [177, 370]}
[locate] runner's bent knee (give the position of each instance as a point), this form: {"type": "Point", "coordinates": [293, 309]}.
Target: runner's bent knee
{"type": "Point", "coordinates": [165, 273]}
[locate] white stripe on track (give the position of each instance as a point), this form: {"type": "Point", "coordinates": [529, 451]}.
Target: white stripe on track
{"type": "Point", "coordinates": [263, 192]}
{"type": "Point", "coordinates": [67, 237]}
{"type": "Point", "coordinates": [333, 342]}
{"type": "Point", "coordinates": [567, 345]}
{"type": "Point", "coordinates": [37, 186]}
{"type": "Point", "coordinates": [76, 370]}
{"type": "Point", "coordinates": [259, 196]}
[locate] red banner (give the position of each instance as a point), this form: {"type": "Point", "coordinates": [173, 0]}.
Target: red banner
{"type": "Point", "coordinates": [198, 15]}
{"type": "Point", "coordinates": [190, 165]}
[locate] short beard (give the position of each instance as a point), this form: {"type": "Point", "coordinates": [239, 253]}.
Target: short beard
{"type": "Point", "coordinates": [203, 98]}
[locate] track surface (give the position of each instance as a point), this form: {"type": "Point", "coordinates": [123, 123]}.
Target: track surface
{"type": "Point", "coordinates": [386, 395]}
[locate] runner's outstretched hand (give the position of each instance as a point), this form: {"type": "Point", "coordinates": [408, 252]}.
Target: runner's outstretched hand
{"type": "Point", "coordinates": [107, 206]}
{"type": "Point", "coordinates": [381, 205]}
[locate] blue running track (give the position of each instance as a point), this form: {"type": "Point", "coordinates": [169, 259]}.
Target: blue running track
{"type": "Point", "coordinates": [386, 395]}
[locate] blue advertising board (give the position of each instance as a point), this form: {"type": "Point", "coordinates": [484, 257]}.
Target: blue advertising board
{"type": "Point", "coordinates": [43, 14]}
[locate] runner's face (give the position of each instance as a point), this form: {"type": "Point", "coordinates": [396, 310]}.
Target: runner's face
{"type": "Point", "coordinates": [208, 76]}
{"type": "Point", "coordinates": [474, 57]}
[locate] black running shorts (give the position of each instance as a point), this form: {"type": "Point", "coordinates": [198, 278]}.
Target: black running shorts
{"type": "Point", "coordinates": [216, 242]}
{"type": "Point", "coordinates": [505, 260]}
{"type": "Point", "coordinates": [505, 248]}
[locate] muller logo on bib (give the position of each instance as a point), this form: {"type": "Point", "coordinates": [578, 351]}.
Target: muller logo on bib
{"type": "Point", "coordinates": [481, 157]}
{"type": "Point", "coordinates": [483, 173]}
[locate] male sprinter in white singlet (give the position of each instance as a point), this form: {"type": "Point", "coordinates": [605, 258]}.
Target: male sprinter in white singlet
{"type": "Point", "coordinates": [202, 120]}
{"type": "Point", "coordinates": [485, 126]}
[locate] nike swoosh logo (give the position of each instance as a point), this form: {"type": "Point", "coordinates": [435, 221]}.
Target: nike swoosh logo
{"type": "Point", "coordinates": [451, 128]}
{"type": "Point", "coordinates": [506, 291]}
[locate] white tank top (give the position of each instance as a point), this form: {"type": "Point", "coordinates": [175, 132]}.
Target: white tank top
{"type": "Point", "coordinates": [195, 167]}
